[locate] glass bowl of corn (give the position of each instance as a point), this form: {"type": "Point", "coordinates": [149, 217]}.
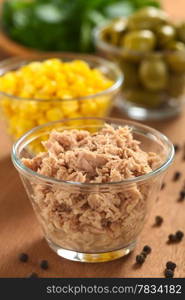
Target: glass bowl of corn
{"type": "Point", "coordinates": [39, 89]}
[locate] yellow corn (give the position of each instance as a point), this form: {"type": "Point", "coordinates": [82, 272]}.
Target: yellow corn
{"type": "Point", "coordinates": [52, 80]}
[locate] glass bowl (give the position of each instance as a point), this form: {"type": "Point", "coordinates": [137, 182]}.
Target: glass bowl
{"type": "Point", "coordinates": [92, 242]}
{"type": "Point", "coordinates": [138, 101]}
{"type": "Point", "coordinates": [22, 114]}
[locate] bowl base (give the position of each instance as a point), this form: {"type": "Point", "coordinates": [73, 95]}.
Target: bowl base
{"type": "Point", "coordinates": [144, 114]}
{"type": "Point", "coordinates": [91, 257]}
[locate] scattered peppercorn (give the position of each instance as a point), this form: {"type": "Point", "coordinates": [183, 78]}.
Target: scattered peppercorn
{"type": "Point", "coordinates": [23, 257]}
{"type": "Point", "coordinates": [140, 259]}
{"type": "Point", "coordinates": [144, 254]}
{"type": "Point", "coordinates": [170, 265]}
{"type": "Point", "coordinates": [168, 273]}
{"type": "Point", "coordinates": [33, 275]}
{"type": "Point", "coordinates": [163, 186]}
{"type": "Point", "coordinates": [183, 156]}
{"type": "Point", "coordinates": [181, 195]}
{"type": "Point", "coordinates": [176, 176]}
{"type": "Point", "coordinates": [44, 264]}
{"type": "Point", "coordinates": [158, 220]}
{"type": "Point", "coordinates": [179, 235]}
{"type": "Point", "coordinates": [172, 238]}
{"type": "Point", "coordinates": [176, 147]}
{"type": "Point", "coordinates": [147, 249]}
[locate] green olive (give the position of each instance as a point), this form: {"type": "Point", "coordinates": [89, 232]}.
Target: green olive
{"type": "Point", "coordinates": [110, 36]}
{"type": "Point", "coordinates": [130, 74]}
{"type": "Point", "coordinates": [145, 98]}
{"type": "Point", "coordinates": [176, 85]}
{"type": "Point", "coordinates": [181, 32]}
{"type": "Point", "coordinates": [153, 73]}
{"type": "Point", "coordinates": [176, 61]}
{"type": "Point", "coordinates": [165, 34]}
{"type": "Point", "coordinates": [119, 25]}
{"type": "Point", "coordinates": [147, 18]}
{"type": "Point", "coordinates": [139, 40]}
{"type": "Point", "coordinates": [175, 46]}
{"type": "Point", "coordinates": [113, 32]}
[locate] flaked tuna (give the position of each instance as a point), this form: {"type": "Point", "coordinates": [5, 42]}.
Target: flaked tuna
{"type": "Point", "coordinates": [92, 220]}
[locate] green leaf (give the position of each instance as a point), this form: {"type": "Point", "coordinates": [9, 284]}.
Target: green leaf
{"type": "Point", "coordinates": [62, 25]}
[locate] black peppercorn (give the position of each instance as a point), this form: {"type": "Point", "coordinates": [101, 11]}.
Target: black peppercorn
{"type": "Point", "coordinates": [163, 186]}
{"type": "Point", "coordinates": [172, 238]}
{"type": "Point", "coordinates": [44, 264]}
{"type": "Point", "coordinates": [33, 275]}
{"type": "Point", "coordinates": [176, 176]}
{"type": "Point", "coordinates": [23, 257]}
{"type": "Point", "coordinates": [144, 254]}
{"type": "Point", "coordinates": [182, 195]}
{"type": "Point", "coordinates": [179, 235]}
{"type": "Point", "coordinates": [147, 249]}
{"type": "Point", "coordinates": [176, 148]}
{"type": "Point", "coordinates": [170, 265]}
{"type": "Point", "coordinates": [168, 273]}
{"type": "Point", "coordinates": [183, 156]}
{"type": "Point", "coordinates": [158, 220]}
{"type": "Point", "coordinates": [140, 259]}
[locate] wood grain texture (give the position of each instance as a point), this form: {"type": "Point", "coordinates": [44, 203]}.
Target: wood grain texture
{"type": "Point", "coordinates": [20, 232]}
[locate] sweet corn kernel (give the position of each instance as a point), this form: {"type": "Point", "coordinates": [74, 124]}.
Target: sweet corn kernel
{"type": "Point", "coordinates": [69, 108]}
{"type": "Point", "coordinates": [51, 80]}
{"type": "Point", "coordinates": [54, 114]}
{"type": "Point", "coordinates": [88, 108]}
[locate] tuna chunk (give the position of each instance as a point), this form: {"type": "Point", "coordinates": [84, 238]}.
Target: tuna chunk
{"type": "Point", "coordinates": [92, 220]}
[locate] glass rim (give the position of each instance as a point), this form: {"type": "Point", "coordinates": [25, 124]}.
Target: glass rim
{"type": "Point", "coordinates": [121, 50]}
{"type": "Point", "coordinates": [25, 170]}
{"type": "Point", "coordinates": [70, 56]}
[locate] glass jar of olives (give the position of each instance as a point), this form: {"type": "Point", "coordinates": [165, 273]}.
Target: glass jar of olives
{"type": "Point", "coordinates": [150, 50]}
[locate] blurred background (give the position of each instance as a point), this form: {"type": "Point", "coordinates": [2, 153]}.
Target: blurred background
{"type": "Point", "coordinates": [145, 39]}
{"type": "Point", "coordinates": [62, 25]}
{"type": "Point", "coordinates": [151, 89]}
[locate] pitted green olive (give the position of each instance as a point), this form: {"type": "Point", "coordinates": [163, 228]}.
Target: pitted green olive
{"type": "Point", "coordinates": [176, 86]}
{"type": "Point", "coordinates": [153, 73]}
{"type": "Point", "coordinates": [181, 32]}
{"type": "Point", "coordinates": [165, 34]}
{"type": "Point", "coordinates": [147, 18]}
{"type": "Point", "coordinates": [119, 25]}
{"type": "Point", "coordinates": [175, 46]}
{"type": "Point", "coordinates": [113, 32]}
{"type": "Point", "coordinates": [150, 50]}
{"type": "Point", "coordinates": [139, 40]}
{"type": "Point", "coordinates": [145, 98]}
{"type": "Point", "coordinates": [110, 36]}
{"type": "Point", "coordinates": [176, 61]}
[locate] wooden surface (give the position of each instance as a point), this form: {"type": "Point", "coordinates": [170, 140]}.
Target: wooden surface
{"type": "Point", "coordinates": [20, 231]}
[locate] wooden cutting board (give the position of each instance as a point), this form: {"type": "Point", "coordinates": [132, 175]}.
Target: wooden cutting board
{"type": "Point", "coordinates": [20, 231]}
